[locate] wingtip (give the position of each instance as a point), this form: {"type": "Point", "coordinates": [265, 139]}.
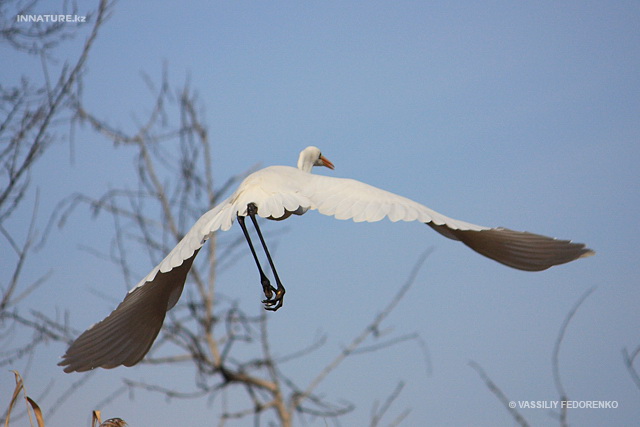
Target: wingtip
{"type": "Point", "coordinates": [588, 253]}
{"type": "Point", "coordinates": [67, 368]}
{"type": "Point", "coordinates": [67, 365]}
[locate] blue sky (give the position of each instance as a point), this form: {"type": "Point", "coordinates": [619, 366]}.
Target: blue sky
{"type": "Point", "coordinates": [523, 115]}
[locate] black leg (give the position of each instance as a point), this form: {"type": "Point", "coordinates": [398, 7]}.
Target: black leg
{"type": "Point", "coordinates": [275, 303]}
{"type": "Point", "coordinates": [272, 302]}
{"type": "Point", "coordinates": [266, 285]}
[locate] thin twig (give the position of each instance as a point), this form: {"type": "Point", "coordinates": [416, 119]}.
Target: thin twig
{"type": "Point", "coordinates": [378, 413]}
{"type": "Point", "coordinates": [499, 394]}
{"type": "Point", "coordinates": [629, 359]}
{"type": "Point", "coordinates": [555, 363]}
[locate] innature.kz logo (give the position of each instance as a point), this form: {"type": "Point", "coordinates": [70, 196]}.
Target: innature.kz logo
{"type": "Point", "coordinates": [51, 18]}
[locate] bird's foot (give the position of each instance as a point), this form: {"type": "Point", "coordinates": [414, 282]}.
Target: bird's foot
{"type": "Point", "coordinates": [267, 288]}
{"type": "Point", "coordinates": [273, 303]}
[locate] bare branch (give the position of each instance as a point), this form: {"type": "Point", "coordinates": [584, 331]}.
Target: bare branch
{"type": "Point", "coordinates": [5, 298]}
{"type": "Point", "coordinates": [499, 394]}
{"type": "Point", "coordinates": [379, 412]}
{"type": "Point", "coordinates": [38, 38]}
{"type": "Point", "coordinates": [555, 363]}
{"type": "Point", "coordinates": [40, 119]}
{"type": "Point", "coordinates": [629, 360]}
{"type": "Point", "coordinates": [278, 399]}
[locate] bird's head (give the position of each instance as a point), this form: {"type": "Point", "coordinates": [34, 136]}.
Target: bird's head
{"type": "Point", "coordinates": [310, 157]}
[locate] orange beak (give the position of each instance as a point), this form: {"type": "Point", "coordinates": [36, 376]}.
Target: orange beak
{"type": "Point", "coordinates": [326, 162]}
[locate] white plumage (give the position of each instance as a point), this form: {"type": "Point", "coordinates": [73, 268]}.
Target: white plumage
{"type": "Point", "coordinates": [277, 192]}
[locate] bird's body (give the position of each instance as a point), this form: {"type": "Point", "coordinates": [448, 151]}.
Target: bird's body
{"type": "Point", "coordinates": [276, 193]}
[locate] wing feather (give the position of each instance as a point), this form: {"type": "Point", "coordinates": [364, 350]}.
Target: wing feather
{"type": "Point", "coordinates": [518, 249]}
{"type": "Point", "coordinates": [351, 199]}
{"type": "Point", "coordinates": [126, 335]}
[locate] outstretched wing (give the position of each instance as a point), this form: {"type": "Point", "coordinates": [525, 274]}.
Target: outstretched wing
{"type": "Point", "coordinates": [126, 335]}
{"type": "Point", "coordinates": [351, 199]}
{"type": "Point", "coordinates": [518, 249]}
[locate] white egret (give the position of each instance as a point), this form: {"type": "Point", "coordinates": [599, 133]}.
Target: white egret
{"type": "Point", "coordinates": [277, 192]}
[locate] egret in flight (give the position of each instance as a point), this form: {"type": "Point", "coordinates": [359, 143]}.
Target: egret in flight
{"type": "Point", "coordinates": [276, 193]}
